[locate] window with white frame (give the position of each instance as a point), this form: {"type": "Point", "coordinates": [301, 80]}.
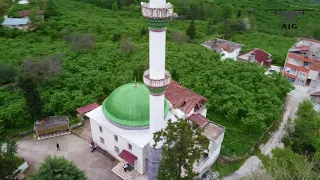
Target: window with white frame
{"type": "Point", "coordinates": [100, 128]}
{"type": "Point", "coordinates": [129, 146]}
{"type": "Point", "coordinates": [294, 61]}
{"type": "Point", "coordinates": [306, 64]}
{"type": "Point", "coordinates": [291, 70]}
{"type": "Point", "coordinates": [302, 74]}
{"type": "Point", "coordinates": [116, 138]}
{"type": "Point", "coordinates": [116, 149]}
{"type": "Point", "coordinates": [101, 140]}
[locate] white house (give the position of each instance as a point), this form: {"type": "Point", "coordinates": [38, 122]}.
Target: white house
{"type": "Point", "coordinates": [20, 23]}
{"type": "Point", "coordinates": [226, 49]}
{"type": "Point", "coordinates": [121, 124]}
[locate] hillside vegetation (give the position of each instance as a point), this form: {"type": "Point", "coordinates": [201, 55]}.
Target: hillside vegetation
{"type": "Point", "coordinates": [84, 51]}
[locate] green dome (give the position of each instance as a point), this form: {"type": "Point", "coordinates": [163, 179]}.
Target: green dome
{"type": "Point", "coordinates": [129, 106]}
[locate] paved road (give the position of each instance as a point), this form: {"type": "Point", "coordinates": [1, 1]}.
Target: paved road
{"type": "Point", "coordinates": [253, 163]}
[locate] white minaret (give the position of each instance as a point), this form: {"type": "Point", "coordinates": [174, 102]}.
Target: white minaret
{"type": "Point", "coordinates": [158, 13]}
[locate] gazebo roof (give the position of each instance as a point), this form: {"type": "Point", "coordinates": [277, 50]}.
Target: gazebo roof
{"type": "Point", "coordinates": [51, 121]}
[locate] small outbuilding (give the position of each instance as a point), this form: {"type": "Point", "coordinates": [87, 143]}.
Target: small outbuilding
{"type": "Point", "coordinates": [84, 109]}
{"type": "Point", "coordinates": [19, 23]}
{"type": "Point", "coordinates": [52, 126]}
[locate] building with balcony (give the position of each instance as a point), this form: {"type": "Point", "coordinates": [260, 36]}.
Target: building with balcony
{"type": "Point", "coordinates": [302, 64]}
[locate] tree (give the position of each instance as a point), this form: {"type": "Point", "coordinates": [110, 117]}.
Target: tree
{"type": "Point", "coordinates": [143, 31]}
{"type": "Point", "coordinates": [285, 164]}
{"type": "Point", "coordinates": [303, 134]}
{"type": "Point", "coordinates": [44, 69]}
{"type": "Point", "coordinates": [115, 6]}
{"type": "Point", "coordinates": [116, 37]}
{"type": "Point", "coordinates": [184, 145]}
{"type": "Point", "coordinates": [191, 31]}
{"type": "Point", "coordinates": [227, 11]}
{"type": "Point", "coordinates": [29, 86]}
{"type": "Point", "coordinates": [4, 6]}
{"type": "Point", "coordinates": [239, 13]}
{"type": "Point", "coordinates": [178, 37]}
{"type": "Point", "coordinates": [55, 168]}
{"type": "Point", "coordinates": [7, 74]}
{"type": "Point", "coordinates": [127, 47]}
{"type": "Point", "coordinates": [50, 9]}
{"type": "Point", "coordinates": [81, 42]}
{"type": "Point", "coordinates": [8, 165]}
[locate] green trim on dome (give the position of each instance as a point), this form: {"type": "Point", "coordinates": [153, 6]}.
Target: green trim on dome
{"type": "Point", "coordinates": [129, 106]}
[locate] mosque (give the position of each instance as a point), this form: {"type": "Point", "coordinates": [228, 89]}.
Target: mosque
{"type": "Point", "coordinates": [124, 124]}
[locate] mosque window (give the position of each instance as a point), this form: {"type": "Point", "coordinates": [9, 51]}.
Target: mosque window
{"type": "Point", "coordinates": [130, 146]}
{"type": "Point", "coordinates": [116, 149]}
{"type": "Point", "coordinates": [100, 128]}
{"type": "Point", "coordinates": [101, 140]}
{"type": "Point", "coordinates": [116, 138]}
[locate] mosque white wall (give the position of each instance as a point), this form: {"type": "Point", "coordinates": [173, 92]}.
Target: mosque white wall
{"type": "Point", "coordinates": [110, 144]}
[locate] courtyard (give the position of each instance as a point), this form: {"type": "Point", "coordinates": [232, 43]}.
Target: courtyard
{"type": "Point", "coordinates": [95, 165]}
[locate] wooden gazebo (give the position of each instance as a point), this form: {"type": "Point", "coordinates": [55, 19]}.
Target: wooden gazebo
{"type": "Point", "coordinates": [52, 126]}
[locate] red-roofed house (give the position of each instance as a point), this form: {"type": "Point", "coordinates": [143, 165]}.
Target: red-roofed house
{"type": "Point", "coordinates": [256, 55]}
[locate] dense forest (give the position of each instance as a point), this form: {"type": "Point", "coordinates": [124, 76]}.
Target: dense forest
{"type": "Point", "coordinates": [86, 48]}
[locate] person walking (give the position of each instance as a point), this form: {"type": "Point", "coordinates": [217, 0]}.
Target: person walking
{"type": "Point", "coordinates": [58, 147]}
{"type": "Point", "coordinates": [125, 166]}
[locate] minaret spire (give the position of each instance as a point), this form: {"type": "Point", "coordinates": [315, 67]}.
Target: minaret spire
{"type": "Point", "coordinates": [158, 13]}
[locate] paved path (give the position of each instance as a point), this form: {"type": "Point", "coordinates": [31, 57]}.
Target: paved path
{"type": "Point", "coordinates": [95, 165]}
{"type": "Point", "coordinates": [253, 163]}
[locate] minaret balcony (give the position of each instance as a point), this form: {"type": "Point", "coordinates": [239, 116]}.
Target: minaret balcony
{"type": "Point", "coordinates": [156, 86]}
{"type": "Point", "coordinates": [157, 13]}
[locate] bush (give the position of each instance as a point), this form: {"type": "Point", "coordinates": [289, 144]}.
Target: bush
{"type": "Point", "coordinates": [58, 168]}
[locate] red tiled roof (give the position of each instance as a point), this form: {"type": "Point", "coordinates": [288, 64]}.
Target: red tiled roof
{"type": "Point", "coordinates": [87, 108]}
{"type": "Point", "coordinates": [199, 119]}
{"type": "Point", "coordinates": [226, 47]}
{"type": "Point", "coordinates": [185, 98]}
{"type": "Point", "coordinates": [303, 48]}
{"type": "Point", "coordinates": [261, 55]}
{"type": "Point", "coordinates": [24, 13]}
{"type": "Point", "coordinates": [127, 156]}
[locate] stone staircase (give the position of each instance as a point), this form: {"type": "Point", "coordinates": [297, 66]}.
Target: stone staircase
{"type": "Point", "coordinates": [129, 175]}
